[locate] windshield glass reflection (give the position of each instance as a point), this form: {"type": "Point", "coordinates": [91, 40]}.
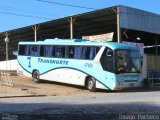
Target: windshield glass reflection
{"type": "Point", "coordinates": [127, 61]}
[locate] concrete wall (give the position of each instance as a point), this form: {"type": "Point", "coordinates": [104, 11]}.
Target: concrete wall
{"type": "Point", "coordinates": [9, 65]}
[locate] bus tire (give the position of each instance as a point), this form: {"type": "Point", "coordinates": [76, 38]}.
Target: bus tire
{"type": "Point", "coordinates": [35, 76]}
{"type": "Point", "coordinates": [91, 84]}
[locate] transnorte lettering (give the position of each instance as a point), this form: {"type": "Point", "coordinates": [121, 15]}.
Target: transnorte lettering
{"type": "Point", "coordinates": [63, 62]}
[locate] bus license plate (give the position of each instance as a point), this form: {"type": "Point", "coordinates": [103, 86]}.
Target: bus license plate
{"type": "Point", "coordinates": [131, 84]}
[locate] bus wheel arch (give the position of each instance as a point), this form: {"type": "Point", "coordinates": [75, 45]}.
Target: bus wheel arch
{"type": "Point", "coordinates": [35, 76]}
{"type": "Point", "coordinates": [90, 83]}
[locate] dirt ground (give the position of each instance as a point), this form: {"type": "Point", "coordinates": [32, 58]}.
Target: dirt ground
{"type": "Point", "coordinates": [24, 86]}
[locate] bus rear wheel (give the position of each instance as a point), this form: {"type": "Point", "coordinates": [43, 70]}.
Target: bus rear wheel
{"type": "Point", "coordinates": [35, 76]}
{"type": "Point", "coordinates": [91, 84]}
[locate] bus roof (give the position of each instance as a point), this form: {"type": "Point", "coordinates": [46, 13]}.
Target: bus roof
{"type": "Point", "coordinates": [112, 45]}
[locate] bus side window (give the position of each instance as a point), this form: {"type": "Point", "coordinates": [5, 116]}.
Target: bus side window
{"type": "Point", "coordinates": [77, 53]}
{"type": "Point", "coordinates": [27, 50]}
{"type": "Point", "coordinates": [53, 51]}
{"type": "Point", "coordinates": [34, 50]}
{"type": "Point", "coordinates": [85, 52]}
{"type": "Point", "coordinates": [109, 52]}
{"type": "Point", "coordinates": [60, 51]}
{"type": "Point", "coordinates": [23, 50]}
{"type": "Point", "coordinates": [42, 50]}
{"type": "Point", "coordinates": [70, 52]}
{"type": "Point", "coordinates": [93, 52]}
{"type": "Point", "coordinates": [89, 52]}
{"type": "Point", "coordinates": [46, 51]}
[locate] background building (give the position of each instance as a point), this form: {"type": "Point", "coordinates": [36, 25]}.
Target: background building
{"type": "Point", "coordinates": [127, 24]}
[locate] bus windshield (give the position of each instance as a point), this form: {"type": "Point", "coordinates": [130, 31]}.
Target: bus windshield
{"type": "Point", "coordinates": [127, 61]}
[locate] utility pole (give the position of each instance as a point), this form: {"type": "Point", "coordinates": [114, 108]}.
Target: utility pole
{"type": "Point", "coordinates": [118, 25]}
{"type": "Point", "coordinates": [71, 21]}
{"type": "Point", "coordinates": [7, 41]}
{"type": "Point", "coordinates": [71, 28]}
{"type": "Point", "coordinates": [35, 28]}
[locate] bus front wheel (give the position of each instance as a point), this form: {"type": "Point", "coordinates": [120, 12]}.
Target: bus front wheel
{"type": "Point", "coordinates": [35, 76]}
{"type": "Point", "coordinates": [91, 84]}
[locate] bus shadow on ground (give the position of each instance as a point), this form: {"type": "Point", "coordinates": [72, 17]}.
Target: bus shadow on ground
{"type": "Point", "coordinates": [76, 86]}
{"type": "Point", "coordinates": [141, 89]}
{"type": "Point", "coordinates": [59, 111]}
{"type": "Point", "coordinates": [63, 84]}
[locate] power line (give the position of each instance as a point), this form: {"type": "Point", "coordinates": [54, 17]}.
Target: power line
{"type": "Point", "coordinates": [22, 15]}
{"type": "Point", "coordinates": [40, 17]}
{"type": "Point", "coordinates": [70, 5]}
{"type": "Point", "coordinates": [27, 11]}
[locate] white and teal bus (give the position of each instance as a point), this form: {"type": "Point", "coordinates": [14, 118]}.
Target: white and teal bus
{"type": "Point", "coordinates": [104, 65]}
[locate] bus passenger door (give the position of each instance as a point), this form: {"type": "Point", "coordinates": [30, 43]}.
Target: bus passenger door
{"type": "Point", "coordinates": [107, 63]}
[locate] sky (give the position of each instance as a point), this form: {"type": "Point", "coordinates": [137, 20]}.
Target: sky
{"type": "Point", "coordinates": [20, 13]}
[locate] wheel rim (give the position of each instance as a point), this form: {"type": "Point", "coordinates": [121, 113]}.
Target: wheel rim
{"type": "Point", "coordinates": [90, 84]}
{"type": "Point", "coordinates": [36, 77]}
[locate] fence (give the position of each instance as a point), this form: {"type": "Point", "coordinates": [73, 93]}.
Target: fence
{"type": "Point", "coordinates": [153, 77]}
{"type": "Point", "coordinates": [5, 79]}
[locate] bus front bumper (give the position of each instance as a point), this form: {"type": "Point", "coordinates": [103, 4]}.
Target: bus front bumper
{"type": "Point", "coordinates": [124, 85]}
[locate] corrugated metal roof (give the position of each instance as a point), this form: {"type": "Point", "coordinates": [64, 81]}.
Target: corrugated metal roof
{"type": "Point", "coordinates": [135, 19]}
